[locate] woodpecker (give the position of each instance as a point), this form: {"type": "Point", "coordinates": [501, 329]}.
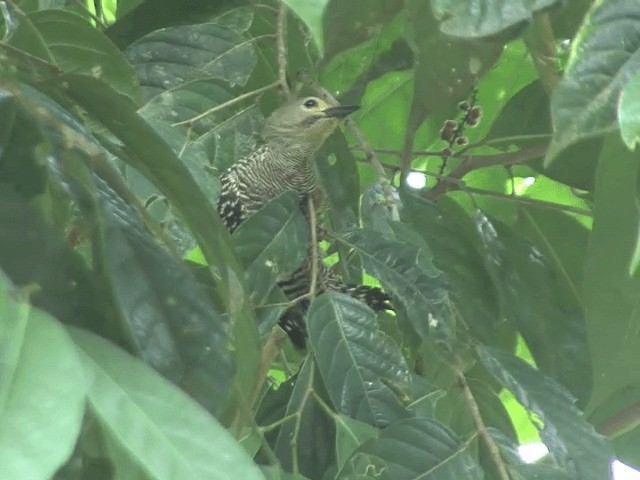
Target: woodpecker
{"type": "Point", "coordinates": [292, 135]}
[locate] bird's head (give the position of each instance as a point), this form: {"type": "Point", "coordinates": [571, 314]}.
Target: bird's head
{"type": "Point", "coordinates": [305, 123]}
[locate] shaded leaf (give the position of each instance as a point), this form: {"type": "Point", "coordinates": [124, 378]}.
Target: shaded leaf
{"type": "Point", "coordinates": [160, 428]}
{"type": "Point", "coordinates": [350, 434]}
{"type": "Point", "coordinates": [42, 389]}
{"type": "Point", "coordinates": [584, 102]}
{"type": "Point", "coordinates": [572, 441]}
{"type": "Point", "coordinates": [362, 368]}
{"type": "Point", "coordinates": [173, 56]}
{"type": "Point", "coordinates": [310, 436]}
{"type": "Point", "coordinates": [414, 448]}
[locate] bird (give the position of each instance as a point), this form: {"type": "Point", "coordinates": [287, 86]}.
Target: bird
{"type": "Point", "coordinates": [292, 134]}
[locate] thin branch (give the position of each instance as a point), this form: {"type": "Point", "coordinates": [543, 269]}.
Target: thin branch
{"type": "Point", "coordinates": [233, 101]}
{"type": "Point", "coordinates": [314, 246]}
{"type": "Point", "coordinates": [281, 47]}
{"type": "Point", "coordinates": [528, 201]}
{"type": "Point", "coordinates": [471, 163]}
{"type": "Point", "coordinates": [474, 410]}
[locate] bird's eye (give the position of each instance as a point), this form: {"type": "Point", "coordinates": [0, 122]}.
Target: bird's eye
{"type": "Point", "coordinates": [311, 103]}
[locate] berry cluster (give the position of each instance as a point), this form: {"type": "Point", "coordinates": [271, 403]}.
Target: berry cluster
{"type": "Point", "coordinates": [452, 131]}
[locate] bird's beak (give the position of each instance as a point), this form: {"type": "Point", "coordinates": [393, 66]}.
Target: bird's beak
{"type": "Point", "coordinates": [341, 111]}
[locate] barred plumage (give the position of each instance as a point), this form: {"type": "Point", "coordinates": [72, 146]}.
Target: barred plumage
{"type": "Point", "coordinates": [292, 134]}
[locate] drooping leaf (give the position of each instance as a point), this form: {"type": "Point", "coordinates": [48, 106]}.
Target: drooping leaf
{"type": "Point", "coordinates": [362, 368]}
{"type": "Point", "coordinates": [161, 429]}
{"type": "Point", "coordinates": [68, 41]}
{"type": "Point", "coordinates": [42, 389]}
{"type": "Point", "coordinates": [612, 317]}
{"type": "Point", "coordinates": [552, 325]}
{"type": "Point", "coordinates": [311, 12]}
{"type": "Point", "coordinates": [584, 102]}
{"type": "Point", "coordinates": [572, 441]}
{"type": "Point", "coordinates": [414, 448]}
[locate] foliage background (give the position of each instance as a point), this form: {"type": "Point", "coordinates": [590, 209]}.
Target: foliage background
{"type": "Point", "coordinates": [136, 334]}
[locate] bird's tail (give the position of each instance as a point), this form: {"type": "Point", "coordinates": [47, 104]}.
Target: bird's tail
{"type": "Point", "coordinates": [375, 298]}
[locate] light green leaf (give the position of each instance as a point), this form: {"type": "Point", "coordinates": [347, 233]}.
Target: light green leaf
{"type": "Point", "coordinates": [629, 113]}
{"type": "Point", "coordinates": [42, 389]}
{"type": "Point", "coordinates": [162, 430]}
{"type": "Point", "coordinates": [312, 13]}
{"type": "Point", "coordinates": [610, 292]}
{"type": "Point", "coordinates": [605, 54]}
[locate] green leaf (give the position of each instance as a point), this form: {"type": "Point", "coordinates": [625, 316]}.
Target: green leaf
{"type": "Point", "coordinates": [406, 273]}
{"type": "Point", "coordinates": [361, 367]}
{"type": "Point", "coordinates": [161, 429]}
{"type": "Point", "coordinates": [311, 12]}
{"type": "Point", "coordinates": [272, 243]}
{"type": "Point", "coordinates": [411, 449]}
{"type": "Point", "coordinates": [70, 42]}
{"type": "Point", "coordinates": [605, 54]}
{"type": "Point", "coordinates": [609, 290]}
{"type": "Point", "coordinates": [42, 389]}
{"type": "Point", "coordinates": [629, 112]}
{"type": "Point", "coordinates": [571, 440]}
{"type": "Point", "coordinates": [308, 439]}
{"type": "Point", "coordinates": [350, 434]}
{"type": "Point", "coordinates": [529, 294]}
{"type": "Point", "coordinates": [173, 56]}
{"type": "Point", "coordinates": [478, 18]}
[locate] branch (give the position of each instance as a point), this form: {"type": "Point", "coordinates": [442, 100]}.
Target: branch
{"type": "Point", "coordinates": [314, 247]}
{"type": "Point", "coordinates": [296, 429]}
{"type": "Point", "coordinates": [471, 163]}
{"type": "Point", "coordinates": [281, 47]}
{"type": "Point", "coordinates": [233, 101]}
{"type": "Point", "coordinates": [474, 410]}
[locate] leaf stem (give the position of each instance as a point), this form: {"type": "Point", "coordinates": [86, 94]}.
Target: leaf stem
{"type": "Point", "coordinates": [281, 47]}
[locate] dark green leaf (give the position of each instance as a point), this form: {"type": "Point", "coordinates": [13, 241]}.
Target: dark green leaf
{"type": "Point", "coordinates": [173, 56]}
{"type": "Point", "coordinates": [530, 295]}
{"type": "Point", "coordinates": [42, 391]}
{"type": "Point", "coordinates": [414, 448]}
{"type": "Point", "coordinates": [605, 55]}
{"type": "Point", "coordinates": [350, 434]}
{"type": "Point", "coordinates": [160, 428]}
{"type": "Point", "coordinates": [310, 437]}
{"type": "Point", "coordinates": [272, 243]}
{"type": "Point", "coordinates": [362, 367]}
{"type": "Point", "coordinates": [406, 273]}
{"type": "Point", "coordinates": [572, 441]}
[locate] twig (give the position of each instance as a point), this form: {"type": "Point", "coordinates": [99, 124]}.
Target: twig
{"type": "Point", "coordinates": [233, 101]}
{"type": "Point", "coordinates": [474, 410]}
{"type": "Point", "coordinates": [281, 47]}
{"type": "Point", "coordinates": [296, 429]}
{"type": "Point", "coordinates": [314, 246]}
{"type": "Point", "coordinates": [471, 163]}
